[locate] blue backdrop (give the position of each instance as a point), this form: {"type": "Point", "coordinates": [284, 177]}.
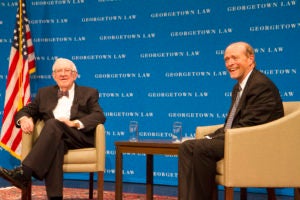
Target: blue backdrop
{"type": "Point", "coordinates": [156, 62]}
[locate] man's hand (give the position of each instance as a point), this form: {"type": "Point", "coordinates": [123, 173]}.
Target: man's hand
{"type": "Point", "coordinates": [69, 123]}
{"type": "Point", "coordinates": [26, 124]}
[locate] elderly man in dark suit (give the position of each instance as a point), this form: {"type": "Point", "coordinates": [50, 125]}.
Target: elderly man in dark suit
{"type": "Point", "coordinates": [255, 100]}
{"type": "Point", "coordinates": [71, 114]}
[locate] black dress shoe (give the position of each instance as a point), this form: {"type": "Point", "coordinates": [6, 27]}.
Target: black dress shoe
{"type": "Point", "coordinates": [15, 176]}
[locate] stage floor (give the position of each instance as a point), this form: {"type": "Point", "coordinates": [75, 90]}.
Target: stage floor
{"type": "Point", "coordinates": [140, 188]}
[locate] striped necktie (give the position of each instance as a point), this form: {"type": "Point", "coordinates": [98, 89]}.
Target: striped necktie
{"type": "Point", "coordinates": [233, 109]}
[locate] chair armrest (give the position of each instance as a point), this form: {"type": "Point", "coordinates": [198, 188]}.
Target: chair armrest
{"type": "Point", "coordinates": [201, 131]}
{"type": "Point", "coordinates": [266, 154]}
{"type": "Point", "coordinates": [100, 146]}
{"type": "Point", "coordinates": [28, 139]}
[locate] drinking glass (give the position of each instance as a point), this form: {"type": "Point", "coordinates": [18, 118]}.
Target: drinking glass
{"type": "Point", "coordinates": [133, 131]}
{"type": "Point", "coordinates": [177, 131]}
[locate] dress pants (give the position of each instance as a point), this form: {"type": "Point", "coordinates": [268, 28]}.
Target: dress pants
{"type": "Point", "coordinates": [197, 167]}
{"type": "Point", "coordinates": [47, 154]}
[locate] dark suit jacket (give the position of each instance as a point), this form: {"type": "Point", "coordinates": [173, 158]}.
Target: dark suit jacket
{"type": "Point", "coordinates": [260, 103]}
{"type": "Point", "coordinates": [85, 107]}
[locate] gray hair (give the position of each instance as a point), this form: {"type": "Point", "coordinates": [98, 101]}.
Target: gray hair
{"type": "Point", "coordinates": [64, 61]}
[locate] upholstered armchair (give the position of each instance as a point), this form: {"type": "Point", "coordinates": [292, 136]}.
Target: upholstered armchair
{"type": "Point", "coordinates": [79, 160]}
{"type": "Point", "coordinates": [265, 156]}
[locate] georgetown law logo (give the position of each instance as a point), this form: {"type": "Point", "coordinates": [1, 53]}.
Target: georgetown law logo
{"type": "Point", "coordinates": [177, 94]}
{"type": "Point", "coordinates": [116, 95]}
{"type": "Point", "coordinates": [132, 36]}
{"type": "Point", "coordinates": [60, 39]}
{"type": "Point", "coordinates": [56, 2]}
{"type": "Point", "coordinates": [108, 18]}
{"type": "Point", "coordinates": [199, 32]}
{"type": "Point", "coordinates": [170, 54]}
{"type": "Point", "coordinates": [181, 13]}
{"type": "Point", "coordinates": [184, 74]}
{"type": "Point", "coordinates": [275, 27]}
{"type": "Point", "coordinates": [50, 21]}
{"type": "Point", "coordinates": [260, 6]}
{"type": "Point", "coordinates": [129, 114]}
{"type": "Point", "coordinates": [143, 75]}
{"type": "Point", "coordinates": [104, 56]}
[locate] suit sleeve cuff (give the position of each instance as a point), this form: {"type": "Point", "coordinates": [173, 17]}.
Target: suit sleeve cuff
{"type": "Point", "coordinates": [79, 125]}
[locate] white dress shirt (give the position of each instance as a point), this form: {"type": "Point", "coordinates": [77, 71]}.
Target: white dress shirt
{"type": "Point", "coordinates": [63, 107]}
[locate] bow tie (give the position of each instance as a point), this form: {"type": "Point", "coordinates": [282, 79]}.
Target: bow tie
{"type": "Point", "coordinates": [62, 93]}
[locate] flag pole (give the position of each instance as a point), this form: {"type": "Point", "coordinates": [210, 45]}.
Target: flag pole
{"type": "Point", "coordinates": [20, 64]}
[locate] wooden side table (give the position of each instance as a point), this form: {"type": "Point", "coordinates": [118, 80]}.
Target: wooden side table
{"type": "Point", "coordinates": [148, 147]}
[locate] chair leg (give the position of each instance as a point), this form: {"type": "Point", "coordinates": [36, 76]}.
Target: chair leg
{"type": "Point", "coordinates": [296, 193]}
{"type": "Point", "coordinates": [91, 185]}
{"type": "Point", "coordinates": [271, 194]}
{"type": "Point", "coordinates": [215, 193]}
{"type": "Point", "coordinates": [26, 193]}
{"type": "Point", "coordinates": [243, 194]}
{"type": "Point", "coordinates": [100, 185]}
{"type": "Point", "coordinates": [228, 193]}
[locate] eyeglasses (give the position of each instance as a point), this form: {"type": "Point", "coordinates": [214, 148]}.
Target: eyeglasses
{"type": "Point", "coordinates": [66, 71]}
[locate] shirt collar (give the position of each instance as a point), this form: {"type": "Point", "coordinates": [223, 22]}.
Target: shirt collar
{"type": "Point", "coordinates": [244, 82]}
{"type": "Point", "coordinates": [71, 91]}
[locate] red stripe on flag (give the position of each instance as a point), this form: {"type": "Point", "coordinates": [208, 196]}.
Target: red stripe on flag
{"type": "Point", "coordinates": [13, 66]}
{"type": "Point", "coordinates": [7, 135]}
{"type": "Point", "coordinates": [10, 101]}
{"type": "Point", "coordinates": [17, 140]}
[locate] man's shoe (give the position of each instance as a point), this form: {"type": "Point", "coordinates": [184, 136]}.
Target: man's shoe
{"type": "Point", "coordinates": [15, 176]}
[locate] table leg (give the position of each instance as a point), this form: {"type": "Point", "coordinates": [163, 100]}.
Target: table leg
{"type": "Point", "coordinates": [178, 181]}
{"type": "Point", "coordinates": [149, 181]}
{"type": "Point", "coordinates": [119, 175]}
{"type": "Point", "coordinates": [297, 193]}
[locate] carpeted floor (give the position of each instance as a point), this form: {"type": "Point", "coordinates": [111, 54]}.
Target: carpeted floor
{"type": "Point", "coordinates": [39, 193]}
{"type": "Point", "coordinates": [78, 190]}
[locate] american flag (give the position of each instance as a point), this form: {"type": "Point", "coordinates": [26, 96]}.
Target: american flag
{"type": "Point", "coordinates": [21, 64]}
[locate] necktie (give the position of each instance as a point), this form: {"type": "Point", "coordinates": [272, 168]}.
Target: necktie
{"type": "Point", "coordinates": [233, 109]}
{"type": "Point", "coordinates": [62, 93]}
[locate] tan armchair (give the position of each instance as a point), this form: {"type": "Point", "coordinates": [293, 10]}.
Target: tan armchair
{"type": "Point", "coordinates": [261, 156]}
{"type": "Point", "coordinates": [79, 160]}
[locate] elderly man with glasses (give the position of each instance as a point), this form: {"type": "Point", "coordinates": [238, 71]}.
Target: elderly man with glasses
{"type": "Point", "coordinates": [71, 114]}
